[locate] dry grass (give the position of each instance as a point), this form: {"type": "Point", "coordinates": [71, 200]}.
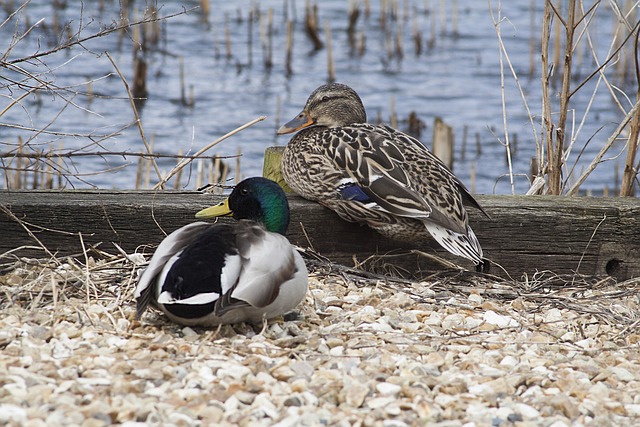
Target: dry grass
{"type": "Point", "coordinates": [567, 30]}
{"type": "Point", "coordinates": [97, 276]}
{"type": "Point", "coordinates": [362, 349]}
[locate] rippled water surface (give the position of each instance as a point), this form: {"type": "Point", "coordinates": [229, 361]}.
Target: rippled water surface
{"type": "Point", "coordinates": [455, 77]}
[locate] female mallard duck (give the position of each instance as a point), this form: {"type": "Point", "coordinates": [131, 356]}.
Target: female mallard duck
{"type": "Point", "coordinates": [375, 174]}
{"type": "Point", "coordinates": [210, 274]}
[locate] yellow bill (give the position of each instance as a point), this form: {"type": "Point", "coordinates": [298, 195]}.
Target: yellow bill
{"type": "Point", "coordinates": [221, 209]}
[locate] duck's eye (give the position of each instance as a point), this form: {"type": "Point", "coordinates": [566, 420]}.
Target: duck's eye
{"type": "Point", "coordinates": [325, 98]}
{"type": "Point", "coordinates": [244, 191]}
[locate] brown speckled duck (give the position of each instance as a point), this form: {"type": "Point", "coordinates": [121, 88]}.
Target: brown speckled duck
{"type": "Point", "coordinates": [375, 175]}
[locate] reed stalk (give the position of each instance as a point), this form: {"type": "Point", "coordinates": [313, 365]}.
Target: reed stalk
{"type": "Point", "coordinates": [205, 8]}
{"type": "Point", "coordinates": [18, 176]}
{"type": "Point", "coordinates": [199, 173]}
{"type": "Point", "coordinates": [547, 122]}
{"type": "Point", "coordinates": [532, 41]}
{"type": "Point", "coordinates": [442, 12]}
{"type": "Point", "coordinates": [238, 175]}
{"type": "Point", "coordinates": [48, 179]}
{"type": "Point", "coordinates": [135, 113]}
{"type": "Point", "coordinates": [199, 153]}
{"type": "Point", "coordinates": [36, 175]}
{"type": "Point", "coordinates": [383, 14]}
{"type": "Point", "coordinates": [178, 177]}
{"type": "Point", "coordinates": [268, 63]}
{"type": "Point", "coordinates": [362, 44]}
{"type": "Point", "coordinates": [417, 36]}
{"type": "Point", "coordinates": [630, 172]}
{"type": "Point", "coordinates": [289, 55]}
{"type": "Point", "coordinates": [311, 25]}
{"type": "Point", "coordinates": [139, 172]}
{"type": "Point", "coordinates": [607, 145]}
{"type": "Point", "coordinates": [392, 112]}
{"type": "Point", "coordinates": [353, 15]}
{"type": "Point", "coordinates": [147, 166]}
{"type": "Point", "coordinates": [399, 47]}
{"type": "Point", "coordinates": [183, 89]}
{"type": "Point", "coordinates": [250, 38]}
{"type": "Point", "coordinates": [227, 38]}
{"type": "Point", "coordinates": [555, 175]}
{"type": "Point", "coordinates": [454, 18]}
{"type": "Point", "coordinates": [432, 33]}
{"type": "Point", "coordinates": [330, 68]}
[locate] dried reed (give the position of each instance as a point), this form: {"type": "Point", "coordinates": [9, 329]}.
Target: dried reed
{"type": "Point", "coordinates": [566, 37]}
{"type": "Point", "coordinates": [563, 29]}
{"type": "Point", "coordinates": [353, 15]}
{"type": "Point", "coordinates": [311, 25]}
{"type": "Point", "coordinates": [198, 154]}
{"type": "Point", "coordinates": [289, 49]}
{"type": "Point", "coordinates": [99, 276]}
{"type": "Point", "coordinates": [331, 72]}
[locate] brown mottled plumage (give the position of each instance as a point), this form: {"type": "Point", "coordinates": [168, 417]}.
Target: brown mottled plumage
{"type": "Point", "coordinates": [375, 174]}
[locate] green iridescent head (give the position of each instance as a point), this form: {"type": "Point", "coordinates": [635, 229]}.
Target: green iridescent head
{"type": "Point", "coordinates": [257, 199]}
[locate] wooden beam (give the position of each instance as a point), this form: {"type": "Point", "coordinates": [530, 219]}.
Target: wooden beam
{"type": "Point", "coordinates": [593, 236]}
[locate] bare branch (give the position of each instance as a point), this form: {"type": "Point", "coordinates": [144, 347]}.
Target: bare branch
{"type": "Point", "coordinates": [101, 33]}
{"type": "Point", "coordinates": [185, 162]}
{"type": "Point", "coordinates": [576, 186]}
{"type": "Point", "coordinates": [135, 112]}
{"type": "Point", "coordinates": [609, 59]}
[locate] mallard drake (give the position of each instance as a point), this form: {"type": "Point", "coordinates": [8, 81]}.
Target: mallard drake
{"type": "Point", "coordinates": [210, 274]}
{"type": "Point", "coordinates": [375, 175]}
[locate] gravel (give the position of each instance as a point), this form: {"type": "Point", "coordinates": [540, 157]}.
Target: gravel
{"type": "Point", "coordinates": [456, 349]}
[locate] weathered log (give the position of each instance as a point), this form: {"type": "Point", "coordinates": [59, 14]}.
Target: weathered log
{"type": "Point", "coordinates": [593, 236]}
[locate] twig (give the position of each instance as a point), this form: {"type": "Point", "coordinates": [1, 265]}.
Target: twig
{"type": "Point", "coordinates": [86, 268]}
{"type": "Point", "coordinates": [597, 159]}
{"type": "Point", "coordinates": [15, 12]}
{"type": "Point", "coordinates": [96, 35]}
{"type": "Point", "coordinates": [547, 123]}
{"type": "Point", "coordinates": [17, 40]}
{"type": "Point", "coordinates": [11, 215]}
{"type": "Point", "coordinates": [507, 145]}
{"type": "Point", "coordinates": [601, 68]}
{"type": "Point", "coordinates": [135, 112]}
{"type": "Point", "coordinates": [445, 263]}
{"type": "Point", "coordinates": [629, 174]}
{"type": "Point", "coordinates": [557, 159]}
{"type": "Point", "coordinates": [68, 154]}
{"type": "Point", "coordinates": [20, 98]}
{"type": "Point", "coordinates": [185, 162]}
{"type": "Point", "coordinates": [613, 55]}
{"type": "Point", "coordinates": [595, 230]}
{"type": "Point", "coordinates": [306, 236]}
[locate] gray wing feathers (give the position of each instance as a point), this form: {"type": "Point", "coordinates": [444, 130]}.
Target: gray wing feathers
{"type": "Point", "coordinates": [400, 174]}
{"type": "Point", "coordinates": [267, 262]}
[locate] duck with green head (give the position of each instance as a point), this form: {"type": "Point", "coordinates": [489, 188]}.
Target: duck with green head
{"type": "Point", "coordinates": [210, 274]}
{"type": "Point", "coordinates": [375, 175]}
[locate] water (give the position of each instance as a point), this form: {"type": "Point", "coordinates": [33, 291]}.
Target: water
{"type": "Point", "coordinates": [457, 79]}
